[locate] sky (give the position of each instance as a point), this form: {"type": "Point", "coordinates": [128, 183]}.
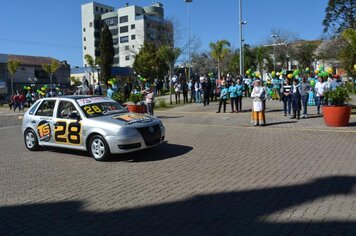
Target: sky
{"type": "Point", "coordinates": [53, 28]}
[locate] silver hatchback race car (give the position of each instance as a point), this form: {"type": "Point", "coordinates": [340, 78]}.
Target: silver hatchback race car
{"type": "Point", "coordinates": [99, 125]}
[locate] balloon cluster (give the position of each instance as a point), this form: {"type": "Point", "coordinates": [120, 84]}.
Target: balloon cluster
{"type": "Point", "coordinates": [248, 71]}
{"type": "Point", "coordinates": [112, 81]}
{"type": "Point", "coordinates": [256, 74]}
{"type": "Point", "coordinates": [321, 72]}
{"type": "Point", "coordinates": [141, 78]}
{"type": "Point", "coordinates": [26, 87]}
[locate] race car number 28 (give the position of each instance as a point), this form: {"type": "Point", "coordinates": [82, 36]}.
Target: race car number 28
{"type": "Point", "coordinates": [67, 133]}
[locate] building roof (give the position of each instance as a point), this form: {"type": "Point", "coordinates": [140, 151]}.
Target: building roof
{"type": "Point", "coordinates": [31, 60]}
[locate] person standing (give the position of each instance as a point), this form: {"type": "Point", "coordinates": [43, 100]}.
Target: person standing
{"type": "Point", "coordinates": [192, 90]}
{"type": "Point", "coordinates": [16, 100]}
{"type": "Point", "coordinates": [240, 88]}
{"type": "Point", "coordinates": [287, 98]}
{"type": "Point", "coordinates": [198, 89]}
{"type": "Point", "coordinates": [304, 93]}
{"type": "Point", "coordinates": [110, 92]}
{"type": "Point", "coordinates": [149, 93]}
{"type": "Point", "coordinates": [233, 96]}
{"type": "Point", "coordinates": [177, 90]}
{"type": "Point", "coordinates": [276, 88]}
{"type": "Point", "coordinates": [258, 110]}
{"type": "Point", "coordinates": [206, 86]}
{"type": "Point", "coordinates": [185, 89]}
{"type": "Point", "coordinates": [320, 89]}
{"type": "Point", "coordinates": [223, 96]}
{"type": "Point", "coordinates": [296, 96]}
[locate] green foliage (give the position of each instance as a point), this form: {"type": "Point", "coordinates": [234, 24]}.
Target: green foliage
{"type": "Point", "coordinates": [348, 52]}
{"type": "Point", "coordinates": [12, 66]}
{"type": "Point", "coordinates": [135, 98]}
{"type": "Point", "coordinates": [304, 54]}
{"type": "Point", "coordinates": [106, 53]}
{"type": "Point", "coordinates": [89, 60]}
{"type": "Point", "coordinates": [338, 97]}
{"type": "Point", "coordinates": [119, 97]}
{"type": "Point", "coordinates": [340, 15]}
{"type": "Point", "coordinates": [149, 63]}
{"type": "Point", "coordinates": [162, 103]}
{"type": "Point", "coordinates": [51, 68]}
{"type": "Point", "coordinates": [219, 50]}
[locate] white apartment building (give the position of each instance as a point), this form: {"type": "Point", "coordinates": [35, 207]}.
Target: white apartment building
{"type": "Point", "coordinates": [130, 26]}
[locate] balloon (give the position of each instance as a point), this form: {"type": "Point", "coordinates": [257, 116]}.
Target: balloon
{"type": "Point", "coordinates": [355, 67]}
{"type": "Point", "coordinates": [290, 76]}
{"type": "Point", "coordinates": [24, 87]}
{"type": "Point", "coordinates": [273, 73]}
{"type": "Point", "coordinates": [307, 69]}
{"type": "Point", "coordinates": [45, 86]}
{"type": "Point", "coordinates": [278, 73]}
{"type": "Point", "coordinates": [38, 90]}
{"type": "Point", "coordinates": [271, 93]}
{"type": "Point", "coordinates": [316, 71]}
{"type": "Point", "coordinates": [247, 72]}
{"type": "Point", "coordinates": [329, 70]}
{"type": "Point", "coordinates": [312, 83]}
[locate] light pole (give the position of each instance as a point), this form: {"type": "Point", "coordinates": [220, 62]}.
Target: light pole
{"type": "Point", "coordinates": [274, 51]}
{"type": "Point", "coordinates": [188, 1]}
{"type": "Point", "coordinates": [241, 39]}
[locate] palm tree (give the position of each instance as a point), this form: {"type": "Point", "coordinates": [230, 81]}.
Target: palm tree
{"type": "Point", "coordinates": [219, 50]}
{"type": "Point", "coordinates": [50, 69]}
{"type": "Point", "coordinates": [170, 56]}
{"type": "Point", "coordinates": [12, 66]}
{"type": "Point", "coordinates": [91, 63]}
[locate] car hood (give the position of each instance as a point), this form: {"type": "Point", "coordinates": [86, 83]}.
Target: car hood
{"type": "Point", "coordinates": [127, 119]}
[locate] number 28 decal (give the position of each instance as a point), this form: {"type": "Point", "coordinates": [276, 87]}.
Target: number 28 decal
{"type": "Point", "coordinates": [67, 133]}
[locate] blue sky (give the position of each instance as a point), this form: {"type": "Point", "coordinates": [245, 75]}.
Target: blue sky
{"type": "Point", "coordinates": [53, 28]}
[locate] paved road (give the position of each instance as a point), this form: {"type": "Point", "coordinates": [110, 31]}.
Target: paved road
{"type": "Point", "coordinates": [216, 175]}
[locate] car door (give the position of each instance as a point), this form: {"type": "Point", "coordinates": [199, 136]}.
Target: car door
{"type": "Point", "coordinates": [42, 121]}
{"type": "Point", "coordinates": [67, 125]}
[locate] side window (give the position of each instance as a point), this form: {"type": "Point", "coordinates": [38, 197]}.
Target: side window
{"type": "Point", "coordinates": [33, 108]}
{"type": "Point", "coordinates": [46, 108]}
{"type": "Point", "coordinates": [65, 109]}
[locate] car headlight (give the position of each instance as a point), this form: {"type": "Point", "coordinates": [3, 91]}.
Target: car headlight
{"type": "Point", "coordinates": [161, 124]}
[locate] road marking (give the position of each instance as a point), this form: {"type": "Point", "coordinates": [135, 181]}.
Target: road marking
{"type": "Point", "coordinates": [10, 127]}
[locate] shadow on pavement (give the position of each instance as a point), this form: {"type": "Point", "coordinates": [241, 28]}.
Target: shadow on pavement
{"type": "Point", "coordinates": [169, 117]}
{"type": "Point", "coordinates": [280, 123]}
{"type": "Point", "coordinates": [158, 153]}
{"type": "Point", "coordinates": [231, 213]}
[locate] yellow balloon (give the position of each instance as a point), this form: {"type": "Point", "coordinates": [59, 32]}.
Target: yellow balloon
{"type": "Point", "coordinates": [316, 71]}
{"type": "Point", "coordinates": [355, 66]}
{"type": "Point", "coordinates": [329, 70]}
{"type": "Point", "coordinates": [290, 76]}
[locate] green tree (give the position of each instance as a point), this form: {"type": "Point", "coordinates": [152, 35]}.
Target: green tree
{"type": "Point", "coordinates": [106, 54]}
{"type": "Point", "coordinates": [170, 55]}
{"type": "Point", "coordinates": [348, 52]}
{"type": "Point", "coordinates": [148, 63]}
{"type": "Point", "coordinates": [339, 15]}
{"type": "Point", "coordinates": [50, 69]}
{"type": "Point", "coordinates": [233, 65]}
{"type": "Point", "coordinates": [12, 67]}
{"type": "Point", "coordinates": [304, 54]}
{"type": "Point", "coordinates": [219, 50]}
{"type": "Point", "coordinates": [91, 63]}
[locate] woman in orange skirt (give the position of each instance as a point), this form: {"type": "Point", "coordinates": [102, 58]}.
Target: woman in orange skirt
{"type": "Point", "coordinates": [258, 109]}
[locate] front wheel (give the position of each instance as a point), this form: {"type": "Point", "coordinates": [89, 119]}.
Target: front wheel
{"type": "Point", "coordinates": [31, 141]}
{"type": "Point", "coordinates": [99, 148]}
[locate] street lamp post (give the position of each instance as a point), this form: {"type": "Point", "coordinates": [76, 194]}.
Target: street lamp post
{"type": "Point", "coordinates": [188, 1]}
{"type": "Point", "coordinates": [274, 51]}
{"type": "Point", "coordinates": [241, 23]}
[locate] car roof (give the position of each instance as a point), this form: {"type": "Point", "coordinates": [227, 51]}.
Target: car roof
{"type": "Point", "coordinates": [74, 97]}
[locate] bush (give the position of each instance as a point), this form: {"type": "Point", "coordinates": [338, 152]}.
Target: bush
{"type": "Point", "coordinates": [162, 103]}
{"type": "Point", "coordinates": [135, 98]}
{"type": "Point", "coordinates": [119, 97]}
{"type": "Point", "coordinates": [337, 97]}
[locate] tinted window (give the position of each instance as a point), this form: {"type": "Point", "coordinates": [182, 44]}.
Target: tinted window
{"type": "Point", "coordinates": [124, 29]}
{"type": "Point", "coordinates": [46, 108]}
{"type": "Point", "coordinates": [124, 39]}
{"type": "Point", "coordinates": [33, 108]}
{"type": "Point", "coordinates": [124, 19]}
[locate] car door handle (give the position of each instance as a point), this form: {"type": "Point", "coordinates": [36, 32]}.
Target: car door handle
{"type": "Point", "coordinates": [33, 121]}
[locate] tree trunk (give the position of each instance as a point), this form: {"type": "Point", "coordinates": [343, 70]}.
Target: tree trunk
{"type": "Point", "coordinates": [170, 84]}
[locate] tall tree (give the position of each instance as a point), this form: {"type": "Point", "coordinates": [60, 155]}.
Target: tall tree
{"type": "Point", "coordinates": [304, 54]}
{"type": "Point", "coordinates": [219, 50]}
{"type": "Point", "coordinates": [348, 52]}
{"type": "Point", "coordinates": [170, 55]}
{"type": "Point", "coordinates": [12, 67]}
{"type": "Point", "coordinates": [50, 69]}
{"type": "Point", "coordinates": [148, 63]}
{"type": "Point", "coordinates": [106, 53]}
{"type": "Point", "coordinates": [91, 63]}
{"type": "Point", "coordinates": [340, 15]}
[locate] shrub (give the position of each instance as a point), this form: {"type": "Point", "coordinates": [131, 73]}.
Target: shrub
{"type": "Point", "coordinates": [337, 97]}
{"type": "Point", "coordinates": [135, 98]}
{"type": "Point", "coordinates": [162, 103]}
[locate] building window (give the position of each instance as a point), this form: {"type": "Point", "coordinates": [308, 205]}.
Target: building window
{"type": "Point", "coordinates": [96, 9]}
{"type": "Point", "coordinates": [83, 29]}
{"type": "Point", "coordinates": [114, 31]}
{"type": "Point", "coordinates": [127, 58]}
{"type": "Point", "coordinates": [85, 48]}
{"type": "Point", "coordinates": [90, 24]}
{"type": "Point", "coordinates": [132, 26]}
{"type": "Point", "coordinates": [85, 39]}
{"type": "Point", "coordinates": [106, 10]}
{"type": "Point", "coordinates": [124, 29]}
{"type": "Point", "coordinates": [127, 47]}
{"type": "Point", "coordinates": [124, 39]}
{"type": "Point", "coordinates": [133, 37]}
{"type": "Point", "coordinates": [124, 19]}
{"type": "Point", "coordinates": [133, 46]}
{"type": "Point", "coordinates": [102, 10]}
{"type": "Point", "coordinates": [114, 41]}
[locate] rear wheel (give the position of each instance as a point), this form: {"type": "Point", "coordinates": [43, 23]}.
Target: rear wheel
{"type": "Point", "coordinates": [99, 148]}
{"type": "Point", "coordinates": [31, 141]}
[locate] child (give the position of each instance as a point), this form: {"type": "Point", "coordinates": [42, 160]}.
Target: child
{"type": "Point", "coordinates": [296, 96]}
{"type": "Point", "coordinates": [311, 98]}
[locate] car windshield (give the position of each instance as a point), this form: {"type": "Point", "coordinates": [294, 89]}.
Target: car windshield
{"type": "Point", "coordinates": [100, 108]}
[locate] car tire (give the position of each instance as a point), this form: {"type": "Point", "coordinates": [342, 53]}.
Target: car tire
{"type": "Point", "coordinates": [98, 148]}
{"type": "Point", "coordinates": [31, 141]}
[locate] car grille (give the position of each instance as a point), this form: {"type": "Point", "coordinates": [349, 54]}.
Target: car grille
{"type": "Point", "coordinates": [151, 135]}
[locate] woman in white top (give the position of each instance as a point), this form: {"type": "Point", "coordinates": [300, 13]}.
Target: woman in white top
{"type": "Point", "coordinates": [258, 110]}
{"type": "Point", "coordinates": [320, 89]}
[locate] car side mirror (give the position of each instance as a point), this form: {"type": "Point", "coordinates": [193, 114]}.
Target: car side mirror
{"type": "Point", "coordinates": [74, 115]}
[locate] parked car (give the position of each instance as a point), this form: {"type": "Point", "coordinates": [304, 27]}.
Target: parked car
{"type": "Point", "coordinates": [96, 124]}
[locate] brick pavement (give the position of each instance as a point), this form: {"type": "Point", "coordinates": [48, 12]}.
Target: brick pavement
{"type": "Point", "coordinates": [216, 175]}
